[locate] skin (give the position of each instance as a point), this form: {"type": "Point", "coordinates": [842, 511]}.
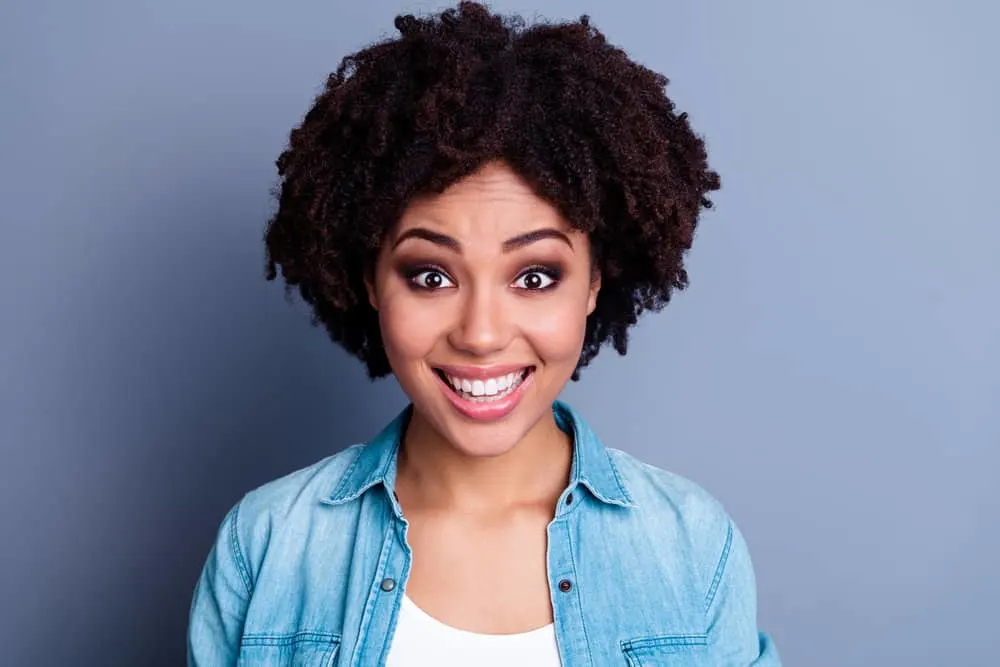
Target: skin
{"type": "Point", "coordinates": [451, 289]}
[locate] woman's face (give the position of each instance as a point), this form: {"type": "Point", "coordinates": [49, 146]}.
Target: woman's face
{"type": "Point", "coordinates": [483, 293]}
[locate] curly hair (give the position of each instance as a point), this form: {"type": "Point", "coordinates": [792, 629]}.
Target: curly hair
{"type": "Point", "coordinates": [592, 131]}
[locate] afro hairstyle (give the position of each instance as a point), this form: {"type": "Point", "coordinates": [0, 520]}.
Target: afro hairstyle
{"type": "Point", "coordinates": [591, 131]}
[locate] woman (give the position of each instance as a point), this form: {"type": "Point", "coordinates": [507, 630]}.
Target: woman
{"type": "Point", "coordinates": [477, 207]}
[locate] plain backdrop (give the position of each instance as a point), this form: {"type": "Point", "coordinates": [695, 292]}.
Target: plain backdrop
{"type": "Point", "coordinates": [831, 374]}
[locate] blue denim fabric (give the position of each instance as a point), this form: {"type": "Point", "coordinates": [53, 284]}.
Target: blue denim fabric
{"type": "Point", "coordinates": [645, 568]}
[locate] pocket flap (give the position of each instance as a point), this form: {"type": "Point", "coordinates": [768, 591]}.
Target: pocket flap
{"type": "Point", "coordinates": [654, 650]}
{"type": "Point", "coordinates": [294, 649]}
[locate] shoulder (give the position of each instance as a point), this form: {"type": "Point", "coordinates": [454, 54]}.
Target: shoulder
{"type": "Point", "coordinates": [656, 488]}
{"type": "Point", "coordinates": [285, 502]}
{"type": "Point", "coordinates": [306, 485]}
{"type": "Point", "coordinates": [681, 511]}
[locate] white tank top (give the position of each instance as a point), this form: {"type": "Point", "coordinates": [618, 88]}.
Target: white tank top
{"type": "Point", "coordinates": [423, 641]}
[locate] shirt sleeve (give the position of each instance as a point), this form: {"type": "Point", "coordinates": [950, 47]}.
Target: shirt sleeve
{"type": "Point", "coordinates": [731, 607]}
{"type": "Point", "coordinates": [221, 596]}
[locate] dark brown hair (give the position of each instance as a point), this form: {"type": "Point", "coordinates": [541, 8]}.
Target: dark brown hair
{"type": "Point", "coordinates": [592, 131]}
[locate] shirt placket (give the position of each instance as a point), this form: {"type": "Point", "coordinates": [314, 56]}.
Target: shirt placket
{"type": "Point", "coordinates": [384, 597]}
{"type": "Point", "coordinates": [564, 587]}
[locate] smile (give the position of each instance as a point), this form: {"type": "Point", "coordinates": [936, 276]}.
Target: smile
{"type": "Point", "coordinates": [485, 394]}
{"type": "Point", "coordinates": [488, 389]}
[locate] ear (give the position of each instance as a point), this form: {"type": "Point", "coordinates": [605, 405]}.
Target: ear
{"type": "Point", "coordinates": [595, 287]}
{"type": "Point", "coordinates": [370, 285]}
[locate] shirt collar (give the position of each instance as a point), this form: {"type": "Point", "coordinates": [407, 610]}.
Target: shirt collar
{"type": "Point", "coordinates": [591, 467]}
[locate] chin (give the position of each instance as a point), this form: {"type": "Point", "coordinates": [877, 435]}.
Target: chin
{"type": "Point", "coordinates": [483, 440]}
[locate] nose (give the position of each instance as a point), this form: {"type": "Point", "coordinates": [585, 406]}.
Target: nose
{"type": "Point", "coordinates": [481, 327]}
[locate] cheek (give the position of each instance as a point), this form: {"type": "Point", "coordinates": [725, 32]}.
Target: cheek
{"type": "Point", "coordinates": [556, 329]}
{"type": "Point", "coordinates": [410, 329]}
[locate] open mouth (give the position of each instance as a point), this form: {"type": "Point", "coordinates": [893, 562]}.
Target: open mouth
{"type": "Point", "coordinates": [485, 390]}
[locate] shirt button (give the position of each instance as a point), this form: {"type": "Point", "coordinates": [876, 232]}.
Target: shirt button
{"type": "Point", "coordinates": [565, 585]}
{"type": "Point", "coordinates": [388, 584]}
{"type": "Point", "coordinates": [569, 498]}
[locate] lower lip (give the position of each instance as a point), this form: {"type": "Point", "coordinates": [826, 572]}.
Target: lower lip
{"type": "Point", "coordinates": [484, 411]}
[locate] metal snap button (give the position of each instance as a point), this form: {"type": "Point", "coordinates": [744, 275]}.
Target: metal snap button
{"type": "Point", "coordinates": [388, 584]}
{"type": "Point", "coordinates": [565, 585]}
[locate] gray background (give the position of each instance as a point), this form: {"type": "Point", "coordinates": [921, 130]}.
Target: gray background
{"type": "Point", "coordinates": [831, 374]}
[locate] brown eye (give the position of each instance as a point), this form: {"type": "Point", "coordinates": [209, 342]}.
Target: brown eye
{"type": "Point", "coordinates": [535, 280]}
{"type": "Point", "coordinates": [431, 279]}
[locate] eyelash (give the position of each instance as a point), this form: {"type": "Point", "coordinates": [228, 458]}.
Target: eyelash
{"type": "Point", "coordinates": [553, 273]}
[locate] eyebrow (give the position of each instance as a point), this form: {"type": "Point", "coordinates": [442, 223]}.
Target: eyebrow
{"type": "Point", "coordinates": [510, 245]}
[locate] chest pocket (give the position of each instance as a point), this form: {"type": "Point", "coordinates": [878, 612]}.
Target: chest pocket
{"type": "Point", "coordinates": [298, 649]}
{"type": "Point", "coordinates": [667, 650]}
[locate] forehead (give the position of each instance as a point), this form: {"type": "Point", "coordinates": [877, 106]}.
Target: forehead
{"type": "Point", "coordinates": [494, 200]}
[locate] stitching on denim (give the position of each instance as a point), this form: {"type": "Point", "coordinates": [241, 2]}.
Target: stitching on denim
{"type": "Point", "coordinates": [234, 538]}
{"type": "Point", "coordinates": [397, 601]}
{"type": "Point", "coordinates": [568, 420]}
{"type": "Point", "coordinates": [289, 639]}
{"type": "Point", "coordinates": [347, 474]}
{"type": "Point", "coordinates": [673, 644]}
{"type": "Point", "coordinates": [576, 579]}
{"type": "Point", "coordinates": [720, 568]}
{"type": "Point", "coordinates": [660, 641]}
{"type": "Point", "coordinates": [618, 479]}
{"type": "Point", "coordinates": [383, 477]}
{"type": "Point", "coordinates": [577, 472]}
{"type": "Point", "coordinates": [389, 460]}
{"type": "Point", "coordinates": [368, 616]}
{"type": "Point", "coordinates": [393, 614]}
{"type": "Point", "coordinates": [628, 654]}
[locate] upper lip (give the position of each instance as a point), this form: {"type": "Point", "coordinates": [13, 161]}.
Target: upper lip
{"type": "Point", "coordinates": [482, 372]}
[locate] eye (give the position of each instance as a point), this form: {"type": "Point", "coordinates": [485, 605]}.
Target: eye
{"type": "Point", "coordinates": [430, 279]}
{"type": "Point", "coordinates": [535, 280]}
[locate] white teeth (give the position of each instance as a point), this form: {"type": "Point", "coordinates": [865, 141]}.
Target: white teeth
{"type": "Point", "coordinates": [490, 389]}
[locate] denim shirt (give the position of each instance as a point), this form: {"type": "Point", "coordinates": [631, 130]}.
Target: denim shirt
{"type": "Point", "coordinates": [644, 567]}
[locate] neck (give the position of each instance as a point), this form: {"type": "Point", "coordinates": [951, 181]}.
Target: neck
{"type": "Point", "coordinates": [432, 473]}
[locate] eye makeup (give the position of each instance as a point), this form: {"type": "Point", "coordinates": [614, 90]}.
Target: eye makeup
{"type": "Point", "coordinates": [432, 276]}
{"type": "Point", "coordinates": [553, 273]}
{"type": "Point", "coordinates": [426, 277]}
